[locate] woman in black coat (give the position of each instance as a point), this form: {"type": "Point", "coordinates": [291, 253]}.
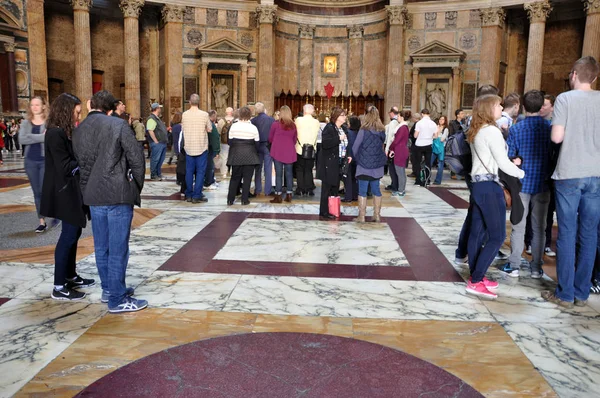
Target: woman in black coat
{"type": "Point", "coordinates": [334, 141]}
{"type": "Point", "coordinates": [61, 196]}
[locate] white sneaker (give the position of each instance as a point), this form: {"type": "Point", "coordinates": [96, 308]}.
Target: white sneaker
{"type": "Point", "coordinates": [528, 250]}
{"type": "Point", "coordinates": [211, 187]}
{"type": "Point", "coordinates": [549, 252]}
{"type": "Point", "coordinates": [461, 261]}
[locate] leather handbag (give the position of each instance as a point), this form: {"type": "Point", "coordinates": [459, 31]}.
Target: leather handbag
{"type": "Point", "coordinates": [345, 168]}
{"type": "Point", "coordinates": [308, 151]}
{"type": "Point", "coordinates": [335, 203]}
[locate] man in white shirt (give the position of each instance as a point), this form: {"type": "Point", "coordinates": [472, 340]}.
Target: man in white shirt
{"type": "Point", "coordinates": [390, 133]}
{"type": "Point", "coordinates": [308, 129]}
{"type": "Point", "coordinates": [424, 131]}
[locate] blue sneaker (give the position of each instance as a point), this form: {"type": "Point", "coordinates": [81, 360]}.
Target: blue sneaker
{"type": "Point", "coordinates": [129, 304]}
{"type": "Point", "coordinates": [106, 294]}
{"type": "Point", "coordinates": [510, 271]}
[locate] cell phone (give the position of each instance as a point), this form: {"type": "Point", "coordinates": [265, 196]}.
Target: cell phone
{"type": "Point", "coordinates": [129, 175]}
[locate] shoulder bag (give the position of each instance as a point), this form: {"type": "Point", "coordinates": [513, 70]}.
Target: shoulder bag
{"type": "Point", "coordinates": [507, 196]}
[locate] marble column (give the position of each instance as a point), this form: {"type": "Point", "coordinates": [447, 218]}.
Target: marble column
{"type": "Point", "coordinates": [591, 39]}
{"type": "Point", "coordinates": [306, 33]}
{"type": "Point", "coordinates": [415, 91]}
{"type": "Point", "coordinates": [244, 85]}
{"type": "Point", "coordinates": [131, 11]}
{"type": "Point", "coordinates": [355, 59]}
{"type": "Point", "coordinates": [154, 68]}
{"type": "Point", "coordinates": [83, 51]}
{"type": "Point", "coordinates": [204, 91]}
{"type": "Point", "coordinates": [38, 65]}
{"type": "Point", "coordinates": [397, 18]}
{"type": "Point", "coordinates": [173, 18]}
{"type": "Point", "coordinates": [537, 13]}
{"type": "Point", "coordinates": [12, 77]}
{"type": "Point", "coordinates": [492, 29]}
{"type": "Point", "coordinates": [265, 71]}
{"type": "Point", "coordinates": [456, 83]}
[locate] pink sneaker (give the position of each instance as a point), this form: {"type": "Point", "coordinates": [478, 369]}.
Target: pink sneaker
{"type": "Point", "coordinates": [479, 289]}
{"type": "Point", "coordinates": [491, 285]}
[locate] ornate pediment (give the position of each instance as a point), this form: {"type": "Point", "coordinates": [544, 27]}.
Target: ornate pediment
{"type": "Point", "coordinates": [222, 48]}
{"type": "Point", "coordinates": [437, 54]}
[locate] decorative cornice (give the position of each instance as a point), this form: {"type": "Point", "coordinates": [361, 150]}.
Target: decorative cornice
{"type": "Point", "coordinates": [9, 47]}
{"type": "Point", "coordinates": [131, 8]}
{"type": "Point", "coordinates": [397, 15]}
{"type": "Point", "coordinates": [538, 11]}
{"type": "Point", "coordinates": [355, 31]}
{"type": "Point", "coordinates": [306, 31]}
{"type": "Point", "coordinates": [591, 6]}
{"type": "Point", "coordinates": [266, 14]}
{"type": "Point", "coordinates": [171, 13]}
{"type": "Point", "coordinates": [494, 16]}
{"type": "Point", "coordinates": [81, 5]}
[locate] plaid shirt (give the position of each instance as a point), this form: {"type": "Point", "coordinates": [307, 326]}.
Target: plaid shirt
{"type": "Point", "coordinates": [195, 125]}
{"type": "Point", "coordinates": [530, 139]}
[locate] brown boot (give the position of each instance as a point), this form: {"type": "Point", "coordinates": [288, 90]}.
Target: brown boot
{"type": "Point", "coordinates": [276, 199]}
{"type": "Point", "coordinates": [362, 209]}
{"type": "Point", "coordinates": [377, 208]}
{"type": "Point", "coordinates": [288, 198]}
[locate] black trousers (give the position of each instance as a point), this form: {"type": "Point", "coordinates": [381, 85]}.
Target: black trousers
{"type": "Point", "coordinates": [351, 184]}
{"type": "Point", "coordinates": [8, 142]}
{"type": "Point", "coordinates": [327, 190]}
{"type": "Point", "coordinates": [420, 152]}
{"type": "Point", "coordinates": [65, 253]}
{"type": "Point", "coordinates": [241, 174]}
{"type": "Point", "coordinates": [393, 174]}
{"type": "Point", "coordinates": [304, 174]}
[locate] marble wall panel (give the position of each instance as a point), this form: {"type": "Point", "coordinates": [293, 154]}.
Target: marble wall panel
{"type": "Point", "coordinates": [243, 19]}
{"type": "Point", "coordinates": [215, 34]}
{"type": "Point", "coordinates": [445, 37]}
{"type": "Point", "coordinates": [470, 75]}
{"type": "Point", "coordinates": [418, 21]}
{"type": "Point", "coordinates": [288, 28]}
{"type": "Point", "coordinates": [286, 64]}
{"type": "Point", "coordinates": [60, 52]}
{"type": "Point", "coordinates": [201, 15]}
{"type": "Point", "coordinates": [193, 36]}
{"type": "Point", "coordinates": [338, 82]}
{"type": "Point", "coordinates": [330, 32]}
{"type": "Point", "coordinates": [375, 28]}
{"type": "Point", "coordinates": [248, 39]}
{"type": "Point", "coordinates": [107, 51]}
{"type": "Point", "coordinates": [222, 18]}
{"type": "Point", "coordinates": [375, 66]}
{"type": "Point", "coordinates": [463, 19]}
{"type": "Point", "coordinates": [469, 41]}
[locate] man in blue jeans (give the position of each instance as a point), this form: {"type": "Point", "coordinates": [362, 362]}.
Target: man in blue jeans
{"type": "Point", "coordinates": [577, 184]}
{"type": "Point", "coordinates": [158, 132]}
{"type": "Point", "coordinates": [263, 123]}
{"type": "Point", "coordinates": [112, 169]}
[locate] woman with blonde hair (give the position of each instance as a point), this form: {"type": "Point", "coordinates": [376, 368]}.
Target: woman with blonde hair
{"type": "Point", "coordinates": [370, 158]}
{"type": "Point", "coordinates": [488, 223]}
{"type": "Point", "coordinates": [283, 136]}
{"type": "Point", "coordinates": [33, 134]}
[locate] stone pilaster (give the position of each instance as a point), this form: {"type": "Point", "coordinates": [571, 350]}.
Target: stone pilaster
{"type": "Point", "coordinates": [131, 11]}
{"type": "Point", "coordinates": [591, 39]}
{"type": "Point", "coordinates": [204, 92]}
{"type": "Point", "coordinates": [154, 68]}
{"type": "Point", "coordinates": [306, 35]}
{"type": "Point", "coordinates": [492, 26]}
{"type": "Point", "coordinates": [38, 65]}
{"type": "Point", "coordinates": [266, 18]}
{"type": "Point", "coordinates": [9, 48]}
{"type": "Point", "coordinates": [244, 85]}
{"type": "Point", "coordinates": [173, 18]}
{"type": "Point", "coordinates": [537, 13]}
{"type": "Point", "coordinates": [456, 83]}
{"type": "Point", "coordinates": [415, 90]}
{"type": "Point", "coordinates": [355, 34]}
{"type": "Point", "coordinates": [397, 18]}
{"type": "Point", "coordinates": [83, 51]}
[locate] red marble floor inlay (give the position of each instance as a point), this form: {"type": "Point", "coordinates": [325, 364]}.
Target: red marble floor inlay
{"type": "Point", "coordinates": [453, 200]}
{"type": "Point", "coordinates": [176, 196]}
{"type": "Point", "coordinates": [4, 300]}
{"type": "Point", "coordinates": [426, 262]}
{"type": "Point", "coordinates": [280, 365]}
{"type": "Point", "coordinates": [11, 182]}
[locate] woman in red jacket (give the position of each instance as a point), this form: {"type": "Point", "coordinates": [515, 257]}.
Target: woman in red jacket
{"type": "Point", "coordinates": [283, 137]}
{"type": "Point", "coordinates": [399, 149]}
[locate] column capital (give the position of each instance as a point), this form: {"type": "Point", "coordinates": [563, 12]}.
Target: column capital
{"type": "Point", "coordinates": [397, 15]}
{"type": "Point", "coordinates": [204, 65]}
{"type": "Point", "coordinates": [538, 11]}
{"type": "Point", "coordinates": [266, 14]}
{"type": "Point", "coordinates": [9, 47]}
{"type": "Point", "coordinates": [415, 70]}
{"type": "Point", "coordinates": [81, 5]}
{"type": "Point", "coordinates": [171, 13]}
{"type": "Point", "coordinates": [244, 68]}
{"type": "Point", "coordinates": [131, 8]}
{"type": "Point", "coordinates": [456, 71]}
{"type": "Point", "coordinates": [306, 31]}
{"type": "Point", "coordinates": [493, 16]}
{"type": "Point", "coordinates": [591, 6]}
{"type": "Point", "coordinates": [355, 31]}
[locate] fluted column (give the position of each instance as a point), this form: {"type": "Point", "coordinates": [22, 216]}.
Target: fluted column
{"type": "Point", "coordinates": [173, 18]}
{"type": "Point", "coordinates": [244, 85]}
{"type": "Point", "coordinates": [456, 82]}
{"type": "Point", "coordinates": [355, 59]}
{"type": "Point", "coordinates": [306, 33]}
{"type": "Point", "coordinates": [537, 13]}
{"type": "Point", "coordinates": [415, 91]}
{"type": "Point", "coordinates": [131, 11]}
{"type": "Point", "coordinates": [591, 40]}
{"type": "Point", "coordinates": [266, 18]}
{"type": "Point", "coordinates": [397, 17]}
{"type": "Point", "coordinates": [205, 93]}
{"type": "Point", "coordinates": [83, 51]}
{"type": "Point", "coordinates": [38, 64]}
{"type": "Point", "coordinates": [12, 77]}
{"type": "Point", "coordinates": [492, 22]}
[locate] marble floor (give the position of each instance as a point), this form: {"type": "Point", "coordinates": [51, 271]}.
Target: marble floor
{"type": "Point", "coordinates": [212, 271]}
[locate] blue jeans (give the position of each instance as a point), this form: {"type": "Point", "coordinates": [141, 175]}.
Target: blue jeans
{"type": "Point", "coordinates": [440, 163]}
{"type": "Point", "coordinates": [157, 158]}
{"type": "Point", "coordinates": [111, 226]}
{"type": "Point", "coordinates": [363, 187]}
{"type": "Point", "coordinates": [465, 231]}
{"type": "Point", "coordinates": [35, 173]}
{"type": "Point", "coordinates": [266, 162]}
{"type": "Point", "coordinates": [289, 176]}
{"type": "Point", "coordinates": [578, 215]}
{"type": "Point", "coordinates": [65, 253]}
{"type": "Point", "coordinates": [488, 222]}
{"type": "Point", "coordinates": [209, 176]}
{"type": "Point", "coordinates": [195, 167]}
